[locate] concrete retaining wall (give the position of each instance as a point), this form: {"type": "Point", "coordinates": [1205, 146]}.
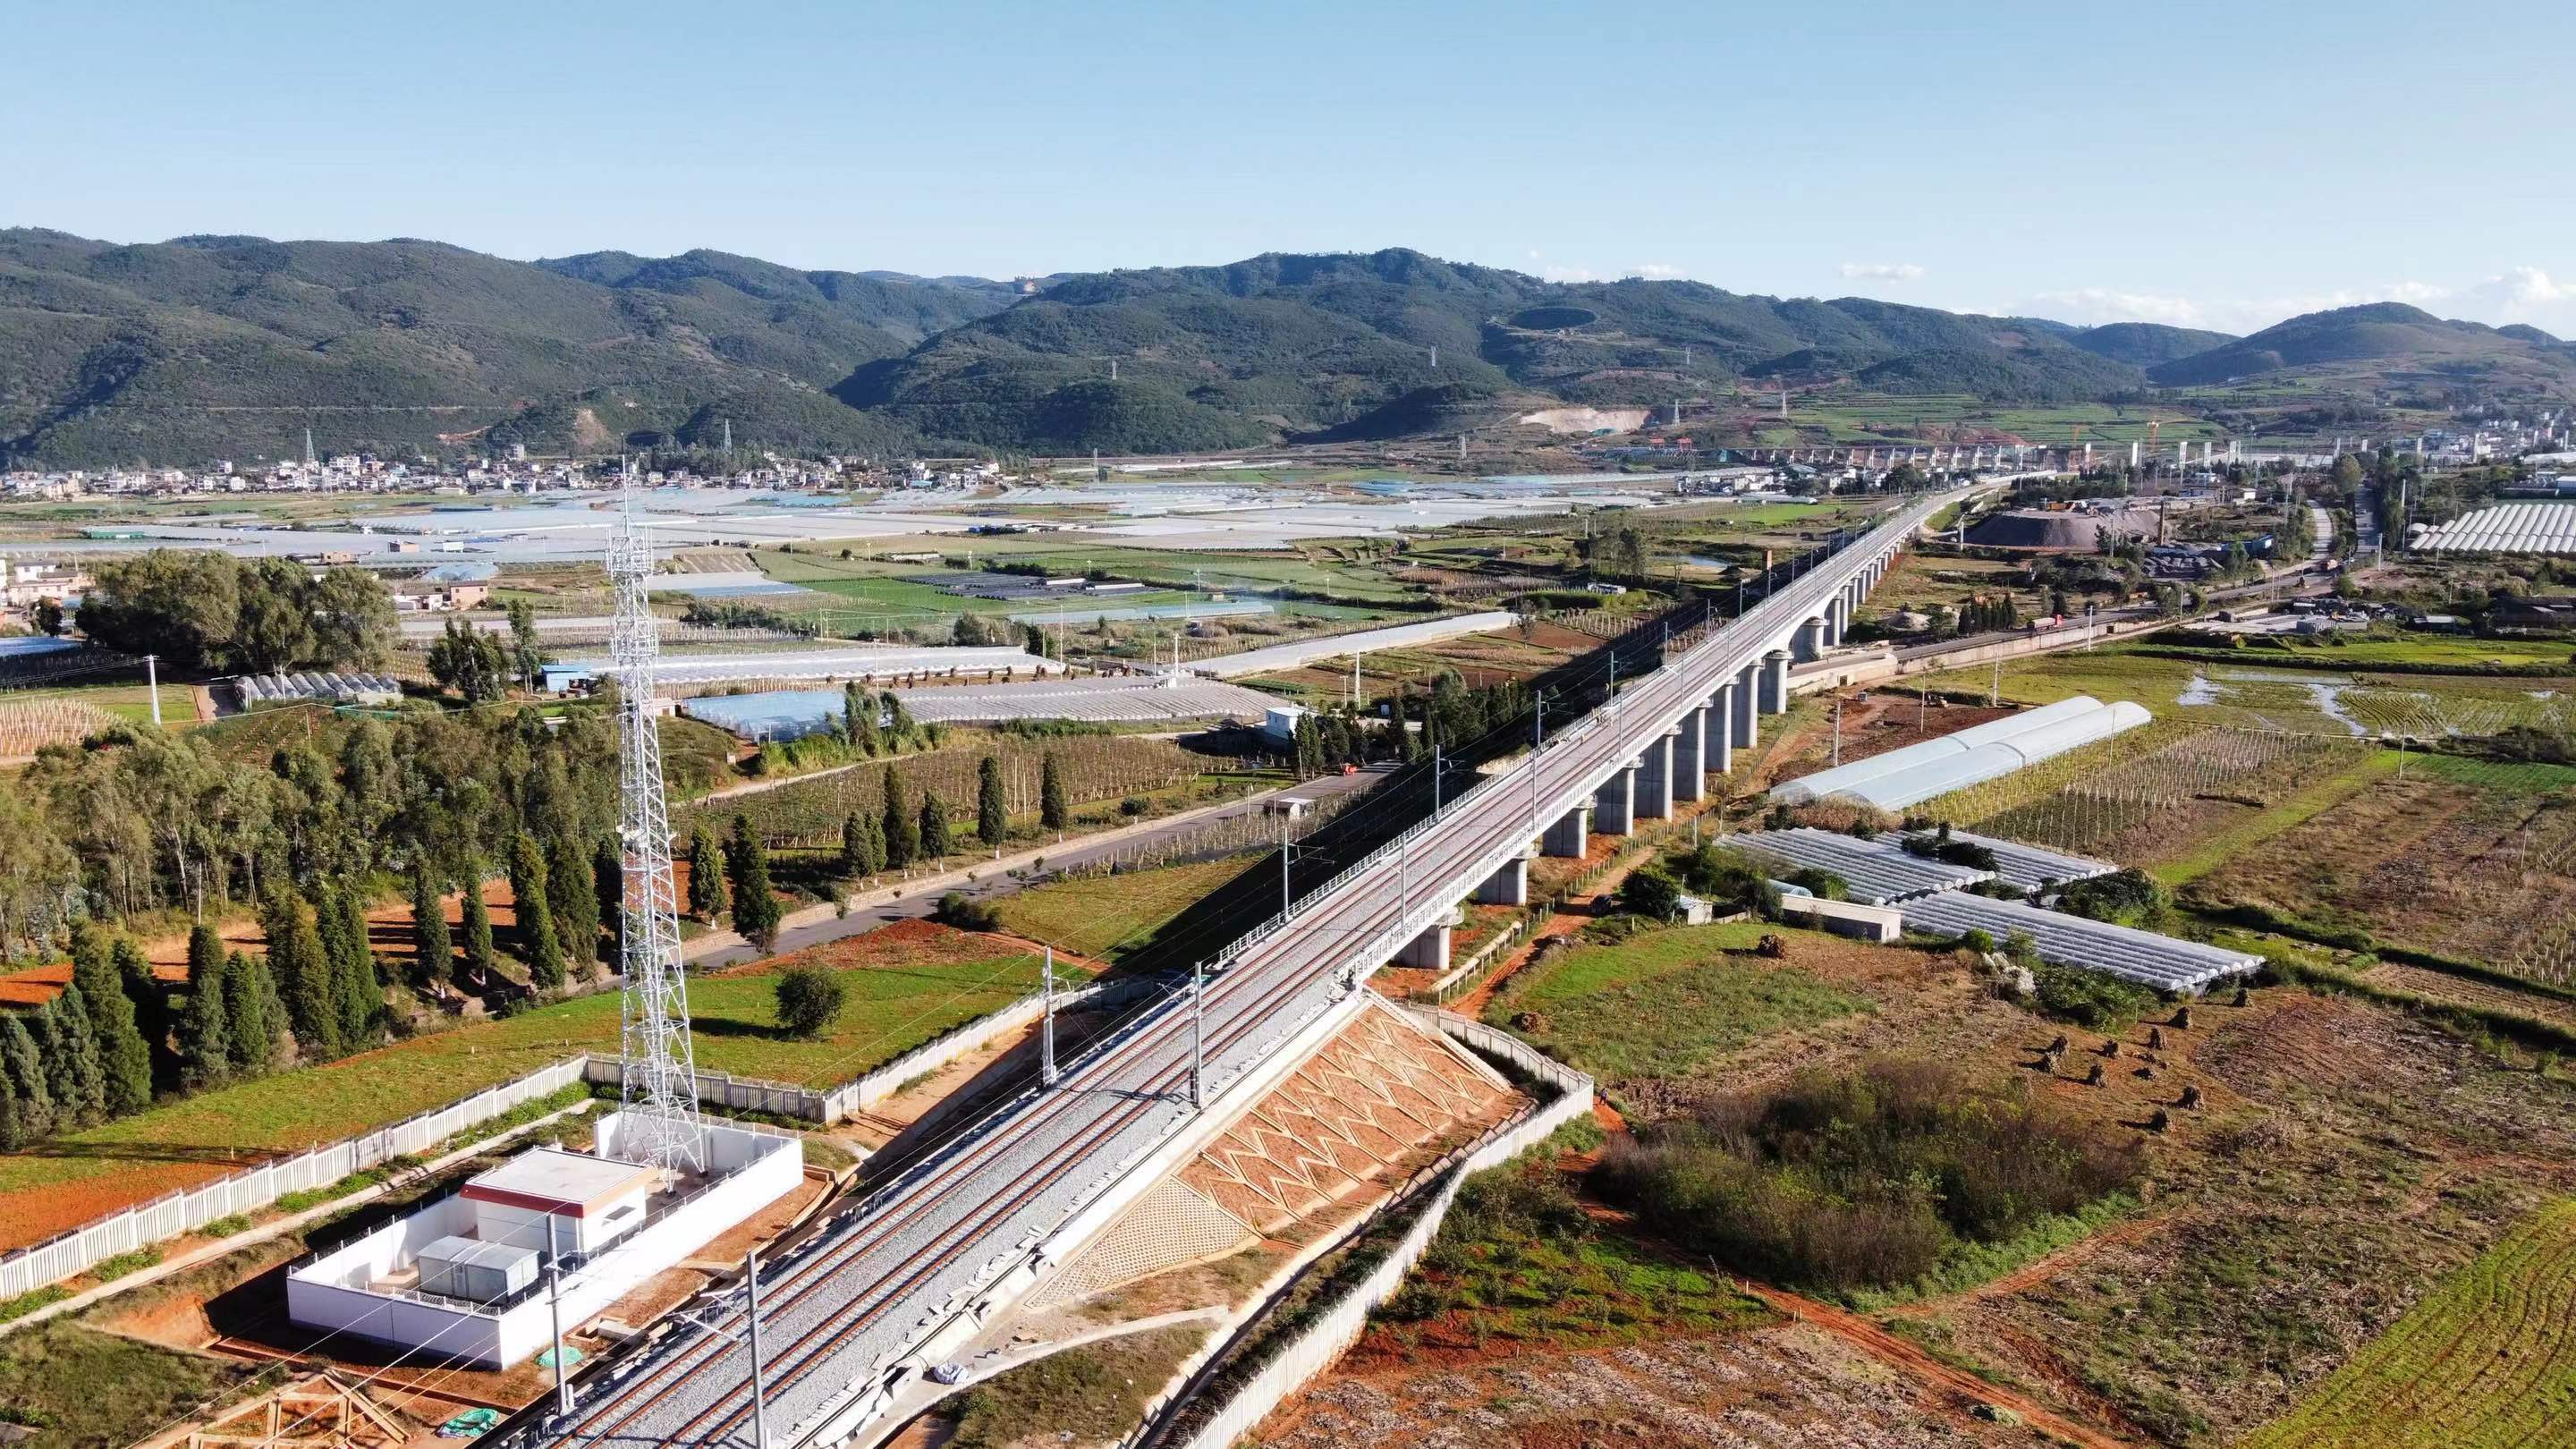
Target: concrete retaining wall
{"type": "Point", "coordinates": [1314, 1350]}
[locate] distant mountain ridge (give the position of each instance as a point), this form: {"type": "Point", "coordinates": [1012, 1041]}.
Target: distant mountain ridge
{"type": "Point", "coordinates": [229, 346]}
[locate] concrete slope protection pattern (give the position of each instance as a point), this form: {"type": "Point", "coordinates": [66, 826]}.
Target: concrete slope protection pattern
{"type": "Point", "coordinates": [839, 1311]}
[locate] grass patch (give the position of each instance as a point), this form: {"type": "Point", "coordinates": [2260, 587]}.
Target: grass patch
{"type": "Point", "coordinates": [2512, 777]}
{"type": "Point", "coordinates": [1664, 1001]}
{"type": "Point", "coordinates": [313, 1197]}
{"type": "Point", "coordinates": [1107, 916]}
{"type": "Point", "coordinates": [1090, 1394]}
{"type": "Point", "coordinates": [28, 1302]}
{"type": "Point", "coordinates": [1519, 1260]}
{"type": "Point", "coordinates": [897, 1001]}
{"type": "Point", "coordinates": [84, 1389]}
{"type": "Point", "coordinates": [2489, 1359]}
{"type": "Point", "coordinates": [1970, 1265]}
{"type": "Point", "coordinates": [108, 1270]}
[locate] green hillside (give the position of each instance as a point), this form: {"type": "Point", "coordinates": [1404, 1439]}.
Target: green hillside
{"type": "Point", "coordinates": [2145, 344]}
{"type": "Point", "coordinates": [230, 346]}
{"type": "Point", "coordinates": [2381, 336]}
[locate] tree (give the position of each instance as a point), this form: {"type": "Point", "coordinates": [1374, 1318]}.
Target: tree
{"type": "Point", "coordinates": [862, 846]}
{"type": "Point", "coordinates": [304, 977]}
{"type": "Point", "coordinates": [26, 1071]}
{"type": "Point", "coordinates": [39, 876]}
{"type": "Point", "coordinates": [902, 830]}
{"type": "Point", "coordinates": [436, 950]}
{"type": "Point", "coordinates": [358, 993]}
{"type": "Point", "coordinates": [124, 1058]}
{"type": "Point", "coordinates": [935, 843]}
{"type": "Point", "coordinates": [706, 874]}
{"type": "Point", "coordinates": [858, 718]}
{"type": "Point", "coordinates": [538, 944]}
{"type": "Point", "coordinates": [525, 661]}
{"type": "Point", "coordinates": [151, 1010]}
{"type": "Point", "coordinates": [250, 1024]}
{"type": "Point", "coordinates": [992, 816]}
{"type": "Point", "coordinates": [1053, 812]}
{"type": "Point", "coordinates": [469, 661]}
{"type": "Point", "coordinates": [572, 894]}
{"type": "Point", "coordinates": [73, 1073]}
{"type": "Point", "coordinates": [1651, 892]}
{"type": "Point", "coordinates": [205, 1040]}
{"type": "Point", "coordinates": [898, 719]}
{"type": "Point", "coordinates": [755, 903]}
{"type": "Point", "coordinates": [809, 997]}
{"type": "Point", "coordinates": [608, 887]}
{"type": "Point", "coordinates": [480, 959]}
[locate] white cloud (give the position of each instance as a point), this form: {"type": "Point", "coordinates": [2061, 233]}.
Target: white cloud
{"type": "Point", "coordinates": [1658, 272]}
{"type": "Point", "coordinates": [1880, 271]}
{"type": "Point", "coordinates": [1650, 271]}
{"type": "Point", "coordinates": [1570, 274]}
{"type": "Point", "coordinates": [2519, 294]}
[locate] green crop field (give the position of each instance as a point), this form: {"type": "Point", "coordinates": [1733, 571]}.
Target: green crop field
{"type": "Point", "coordinates": [1664, 1001]}
{"type": "Point", "coordinates": [1105, 916]}
{"type": "Point", "coordinates": [894, 1005]}
{"type": "Point", "coordinates": [2487, 1362]}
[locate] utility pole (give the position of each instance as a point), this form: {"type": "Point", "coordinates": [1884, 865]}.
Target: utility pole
{"type": "Point", "coordinates": [1838, 730]}
{"type": "Point", "coordinates": [759, 1383]}
{"type": "Point", "coordinates": [1046, 1030]}
{"type": "Point", "coordinates": [1285, 901]}
{"type": "Point", "coordinates": [152, 682]}
{"type": "Point", "coordinates": [1198, 1029]}
{"type": "Point", "coordinates": [554, 1302]}
{"type": "Point", "coordinates": [1995, 691]}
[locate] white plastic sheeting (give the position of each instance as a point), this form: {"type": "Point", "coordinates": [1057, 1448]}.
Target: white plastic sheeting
{"type": "Point", "coordinates": [2507, 528]}
{"type": "Point", "coordinates": [1940, 773]}
{"type": "Point", "coordinates": [1876, 874]}
{"type": "Point", "coordinates": [2026, 866]}
{"type": "Point", "coordinates": [2163, 962]}
{"type": "Point", "coordinates": [1843, 778]}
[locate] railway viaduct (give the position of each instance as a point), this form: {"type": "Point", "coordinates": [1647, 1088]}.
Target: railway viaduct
{"type": "Point", "coordinates": [887, 1286]}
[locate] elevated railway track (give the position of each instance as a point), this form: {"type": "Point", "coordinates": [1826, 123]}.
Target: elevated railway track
{"type": "Point", "coordinates": [861, 1305]}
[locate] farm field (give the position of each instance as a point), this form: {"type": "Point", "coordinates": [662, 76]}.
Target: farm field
{"type": "Point", "coordinates": [1095, 768]}
{"type": "Point", "coordinates": [1103, 916]}
{"type": "Point", "coordinates": [1515, 653]}
{"type": "Point", "coordinates": [2457, 861]}
{"type": "Point", "coordinates": [31, 719]}
{"type": "Point", "coordinates": [907, 983]}
{"type": "Point", "coordinates": [2349, 1160]}
{"type": "Point", "coordinates": [2488, 1361]}
{"type": "Point", "coordinates": [1664, 1002]}
{"type": "Point", "coordinates": [2338, 697]}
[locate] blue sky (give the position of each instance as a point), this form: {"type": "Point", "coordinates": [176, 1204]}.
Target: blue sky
{"type": "Point", "coordinates": [2208, 165]}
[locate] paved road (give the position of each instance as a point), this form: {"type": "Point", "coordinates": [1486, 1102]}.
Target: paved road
{"type": "Point", "coordinates": [1333, 646]}
{"type": "Point", "coordinates": [845, 1305]}
{"type": "Point", "coordinates": [993, 878]}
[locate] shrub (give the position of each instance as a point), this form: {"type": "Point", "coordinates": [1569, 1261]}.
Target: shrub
{"type": "Point", "coordinates": [1862, 1178]}
{"type": "Point", "coordinates": [966, 913]}
{"type": "Point", "coordinates": [809, 997]}
{"type": "Point", "coordinates": [1977, 939]}
{"type": "Point", "coordinates": [2123, 896]}
{"type": "Point", "coordinates": [1651, 892]}
{"type": "Point", "coordinates": [2090, 999]}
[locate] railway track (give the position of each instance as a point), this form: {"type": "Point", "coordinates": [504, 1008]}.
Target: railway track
{"type": "Point", "coordinates": [856, 1295]}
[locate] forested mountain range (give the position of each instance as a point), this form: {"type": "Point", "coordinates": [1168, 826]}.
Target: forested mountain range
{"type": "Point", "coordinates": [230, 346]}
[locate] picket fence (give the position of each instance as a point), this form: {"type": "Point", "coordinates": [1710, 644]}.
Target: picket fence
{"type": "Point", "coordinates": [140, 1225]}
{"type": "Point", "coordinates": [1316, 1347]}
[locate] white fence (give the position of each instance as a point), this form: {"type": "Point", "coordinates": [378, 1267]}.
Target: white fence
{"type": "Point", "coordinates": [127, 1229]}
{"type": "Point", "coordinates": [130, 1228]}
{"type": "Point", "coordinates": [1316, 1347]}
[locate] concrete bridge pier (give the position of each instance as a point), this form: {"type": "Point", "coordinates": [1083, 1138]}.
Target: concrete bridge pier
{"type": "Point", "coordinates": [1719, 755]}
{"type": "Point", "coordinates": [1508, 886]}
{"type": "Point", "coordinates": [1428, 951]}
{"type": "Point", "coordinates": [1565, 839]}
{"type": "Point", "coordinates": [1690, 753]}
{"type": "Point", "coordinates": [1808, 644]}
{"type": "Point", "coordinates": [1654, 794]}
{"type": "Point", "coordinates": [1775, 682]}
{"type": "Point", "coordinates": [1614, 803]}
{"type": "Point", "coordinates": [1747, 731]}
